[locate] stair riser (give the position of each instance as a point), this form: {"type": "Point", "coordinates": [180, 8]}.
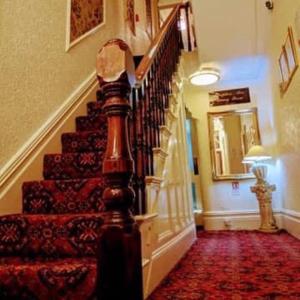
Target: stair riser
{"type": "Point", "coordinates": [94, 109]}
{"type": "Point", "coordinates": [73, 165]}
{"type": "Point", "coordinates": [63, 196]}
{"type": "Point", "coordinates": [83, 142]}
{"type": "Point", "coordinates": [49, 235]}
{"type": "Point", "coordinates": [91, 123]}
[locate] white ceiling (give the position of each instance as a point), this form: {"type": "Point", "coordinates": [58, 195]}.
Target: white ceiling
{"type": "Point", "coordinates": [232, 35]}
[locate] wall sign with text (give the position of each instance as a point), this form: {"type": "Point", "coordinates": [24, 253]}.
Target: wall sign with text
{"type": "Point", "coordinates": [228, 97]}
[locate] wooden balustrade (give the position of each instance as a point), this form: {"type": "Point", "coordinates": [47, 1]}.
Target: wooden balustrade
{"type": "Point", "coordinates": [144, 102]}
{"type": "Point", "coordinates": [185, 16]}
{"type": "Point", "coordinates": [151, 98]}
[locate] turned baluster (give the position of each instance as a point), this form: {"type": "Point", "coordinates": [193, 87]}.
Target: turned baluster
{"type": "Point", "coordinates": [134, 149]}
{"type": "Point", "coordinates": [119, 260]}
{"type": "Point", "coordinates": [149, 123]}
{"type": "Point", "coordinates": [155, 103]}
{"type": "Point", "coordinates": [146, 130]}
{"type": "Point", "coordinates": [141, 149]}
{"type": "Point", "coordinates": [155, 93]}
{"type": "Point", "coordinates": [150, 113]}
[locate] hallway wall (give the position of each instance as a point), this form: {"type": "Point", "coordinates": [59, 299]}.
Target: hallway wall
{"type": "Point", "coordinates": [287, 109]}
{"type": "Point", "coordinates": [37, 75]}
{"type": "Point", "coordinates": [220, 203]}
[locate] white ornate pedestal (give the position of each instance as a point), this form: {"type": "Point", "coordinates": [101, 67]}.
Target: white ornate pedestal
{"type": "Point", "coordinates": [263, 191]}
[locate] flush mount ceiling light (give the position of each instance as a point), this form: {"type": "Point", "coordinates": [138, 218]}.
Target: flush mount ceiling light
{"type": "Point", "coordinates": [205, 76]}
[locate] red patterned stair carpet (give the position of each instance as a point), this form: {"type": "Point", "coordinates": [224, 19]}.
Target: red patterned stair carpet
{"type": "Point", "coordinates": [48, 251]}
{"type": "Point", "coordinates": [236, 265]}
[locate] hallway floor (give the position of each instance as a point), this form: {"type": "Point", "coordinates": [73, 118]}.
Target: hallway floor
{"type": "Point", "coordinates": [236, 265]}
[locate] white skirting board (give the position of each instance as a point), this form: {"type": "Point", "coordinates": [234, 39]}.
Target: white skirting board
{"type": "Point", "coordinates": [291, 222]}
{"type": "Point", "coordinates": [250, 220]}
{"type": "Point", "coordinates": [165, 258]}
{"type": "Point", "coordinates": [235, 220]}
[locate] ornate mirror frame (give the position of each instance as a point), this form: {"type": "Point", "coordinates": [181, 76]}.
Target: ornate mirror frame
{"type": "Point", "coordinates": [211, 116]}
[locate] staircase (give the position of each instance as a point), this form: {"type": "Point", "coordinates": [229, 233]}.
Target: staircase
{"type": "Point", "coordinates": [49, 251]}
{"type": "Point", "coordinates": [77, 238]}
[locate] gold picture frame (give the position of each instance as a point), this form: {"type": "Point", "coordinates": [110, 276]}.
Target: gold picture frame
{"type": "Point", "coordinates": [84, 18]}
{"type": "Point", "coordinates": [130, 15]}
{"type": "Point", "coordinates": [227, 148]}
{"type": "Point", "coordinates": [288, 61]}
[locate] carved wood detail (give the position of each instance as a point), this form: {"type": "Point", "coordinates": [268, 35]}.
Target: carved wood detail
{"type": "Point", "coordinates": [120, 263]}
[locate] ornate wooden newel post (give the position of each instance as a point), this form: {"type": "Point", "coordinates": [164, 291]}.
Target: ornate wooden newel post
{"type": "Point", "coordinates": [120, 264]}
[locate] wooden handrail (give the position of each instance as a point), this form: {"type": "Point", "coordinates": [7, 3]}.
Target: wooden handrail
{"type": "Point", "coordinates": [167, 6]}
{"type": "Point", "coordinates": [148, 58]}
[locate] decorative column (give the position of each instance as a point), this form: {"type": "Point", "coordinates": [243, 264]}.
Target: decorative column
{"type": "Point", "coordinates": [263, 191]}
{"type": "Point", "coordinates": [119, 261]}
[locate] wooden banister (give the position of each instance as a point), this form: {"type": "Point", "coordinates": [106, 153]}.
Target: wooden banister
{"type": "Point", "coordinates": [167, 6]}
{"type": "Point", "coordinates": [144, 96]}
{"type": "Point", "coordinates": [150, 99]}
{"type": "Point", "coordinates": [155, 46]}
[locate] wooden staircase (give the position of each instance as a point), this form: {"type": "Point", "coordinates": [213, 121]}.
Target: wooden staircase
{"type": "Point", "coordinates": [77, 237]}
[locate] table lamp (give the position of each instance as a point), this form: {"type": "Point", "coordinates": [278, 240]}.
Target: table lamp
{"type": "Point", "coordinates": [256, 156]}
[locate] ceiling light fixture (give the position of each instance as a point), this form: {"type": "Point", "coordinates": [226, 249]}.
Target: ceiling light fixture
{"type": "Point", "coordinates": [205, 76]}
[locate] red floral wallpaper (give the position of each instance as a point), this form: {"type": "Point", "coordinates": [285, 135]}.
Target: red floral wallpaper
{"type": "Point", "coordinates": [85, 15]}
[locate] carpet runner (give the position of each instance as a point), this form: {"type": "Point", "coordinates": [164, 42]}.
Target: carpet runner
{"type": "Point", "coordinates": [48, 251]}
{"type": "Point", "coordinates": [236, 265]}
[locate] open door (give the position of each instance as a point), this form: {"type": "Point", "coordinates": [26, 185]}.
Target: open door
{"type": "Point", "coordinates": [194, 161]}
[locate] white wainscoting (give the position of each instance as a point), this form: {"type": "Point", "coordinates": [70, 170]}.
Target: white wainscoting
{"type": "Point", "coordinates": [164, 258]}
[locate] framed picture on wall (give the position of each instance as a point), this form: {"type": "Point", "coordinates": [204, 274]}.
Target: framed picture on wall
{"type": "Point", "coordinates": [284, 71]}
{"type": "Point", "coordinates": [297, 26]}
{"type": "Point", "coordinates": [83, 19]}
{"type": "Point", "coordinates": [288, 61]}
{"type": "Point", "coordinates": [130, 15]}
{"type": "Point", "coordinates": [149, 28]}
{"type": "Point", "coordinates": [291, 52]}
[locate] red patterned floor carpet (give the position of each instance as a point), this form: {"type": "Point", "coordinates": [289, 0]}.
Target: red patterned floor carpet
{"type": "Point", "coordinates": [236, 265]}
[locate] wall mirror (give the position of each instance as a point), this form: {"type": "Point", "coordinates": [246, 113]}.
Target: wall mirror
{"type": "Point", "coordinates": [231, 134]}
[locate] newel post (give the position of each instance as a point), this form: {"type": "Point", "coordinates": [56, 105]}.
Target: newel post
{"type": "Point", "coordinates": [119, 261]}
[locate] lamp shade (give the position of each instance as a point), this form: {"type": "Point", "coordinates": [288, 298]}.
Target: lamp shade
{"type": "Point", "coordinates": [256, 153]}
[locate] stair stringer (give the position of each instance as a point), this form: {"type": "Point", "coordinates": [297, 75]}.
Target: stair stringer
{"type": "Point", "coordinates": [168, 229]}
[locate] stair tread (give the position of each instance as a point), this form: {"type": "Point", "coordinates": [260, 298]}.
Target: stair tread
{"type": "Point", "coordinates": [46, 261]}
{"type": "Point", "coordinates": [83, 141]}
{"type": "Point", "coordinates": [87, 123]}
{"type": "Point", "coordinates": [94, 108]}
{"type": "Point", "coordinates": [68, 235]}
{"type": "Point", "coordinates": [73, 165]}
{"type": "Point", "coordinates": [38, 279]}
{"type": "Point", "coordinates": [63, 196]}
